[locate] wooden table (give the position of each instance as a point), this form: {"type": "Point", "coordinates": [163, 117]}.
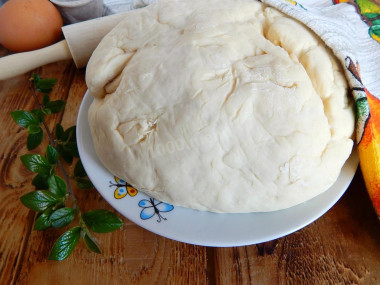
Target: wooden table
{"type": "Point", "coordinates": [342, 247]}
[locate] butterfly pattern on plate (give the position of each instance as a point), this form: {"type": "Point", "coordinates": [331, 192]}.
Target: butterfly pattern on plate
{"type": "Point", "coordinates": [122, 188]}
{"type": "Point", "coordinates": [153, 207]}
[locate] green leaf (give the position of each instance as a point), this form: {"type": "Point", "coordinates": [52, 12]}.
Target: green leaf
{"type": "Point", "coordinates": [56, 106]}
{"type": "Point", "coordinates": [375, 31]}
{"type": "Point", "coordinates": [24, 118]}
{"type": "Point", "coordinates": [59, 131]}
{"type": "Point", "coordinates": [41, 182]}
{"type": "Point", "coordinates": [34, 129]}
{"type": "Point", "coordinates": [67, 148]}
{"type": "Point", "coordinates": [72, 148]}
{"type": "Point", "coordinates": [51, 154]}
{"type": "Point", "coordinates": [102, 221]}
{"type": "Point", "coordinates": [34, 140]}
{"type": "Point", "coordinates": [371, 15]}
{"type": "Point", "coordinates": [43, 221]}
{"type": "Point", "coordinates": [70, 135]}
{"type": "Point", "coordinates": [376, 22]}
{"type": "Point", "coordinates": [36, 163]}
{"type": "Point", "coordinates": [39, 114]}
{"type": "Point", "coordinates": [79, 169]}
{"type": "Point", "coordinates": [36, 78]}
{"type": "Point", "coordinates": [47, 111]}
{"type": "Point", "coordinates": [62, 217]}
{"type": "Point", "coordinates": [46, 99]}
{"type": "Point", "coordinates": [44, 85]}
{"type": "Point", "coordinates": [64, 154]}
{"type": "Point", "coordinates": [57, 186]}
{"type": "Point", "coordinates": [84, 183]}
{"type": "Point", "coordinates": [65, 244]}
{"type": "Point", "coordinates": [39, 200]}
{"type": "Point", "coordinates": [91, 244]}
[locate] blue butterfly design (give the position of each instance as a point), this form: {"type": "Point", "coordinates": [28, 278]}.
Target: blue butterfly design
{"type": "Point", "coordinates": [153, 207]}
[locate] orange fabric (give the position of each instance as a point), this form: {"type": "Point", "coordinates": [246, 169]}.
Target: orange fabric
{"type": "Point", "coordinates": [369, 152]}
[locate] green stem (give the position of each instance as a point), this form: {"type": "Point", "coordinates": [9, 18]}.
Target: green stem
{"type": "Point", "coordinates": [52, 142]}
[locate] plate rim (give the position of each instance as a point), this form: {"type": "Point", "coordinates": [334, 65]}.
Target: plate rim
{"type": "Point", "coordinates": [352, 163]}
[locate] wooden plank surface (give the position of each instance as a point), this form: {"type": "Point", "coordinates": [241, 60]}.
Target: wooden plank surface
{"type": "Point", "coordinates": [131, 254]}
{"type": "Point", "coordinates": [342, 247]}
{"type": "Point", "coordinates": [16, 179]}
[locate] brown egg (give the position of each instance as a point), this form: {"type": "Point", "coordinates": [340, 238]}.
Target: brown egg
{"type": "Point", "coordinates": [29, 24]}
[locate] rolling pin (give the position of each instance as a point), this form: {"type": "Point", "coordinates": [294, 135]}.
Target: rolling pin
{"type": "Point", "coordinates": [80, 41]}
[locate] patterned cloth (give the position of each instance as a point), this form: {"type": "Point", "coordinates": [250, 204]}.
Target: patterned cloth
{"type": "Point", "coordinates": [351, 28]}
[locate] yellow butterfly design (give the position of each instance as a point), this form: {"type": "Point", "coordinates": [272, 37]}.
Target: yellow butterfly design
{"type": "Point", "coordinates": [122, 188]}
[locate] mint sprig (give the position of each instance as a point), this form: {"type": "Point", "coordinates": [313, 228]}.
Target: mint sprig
{"type": "Point", "coordinates": [37, 163]}
{"type": "Point", "coordinates": [53, 191]}
{"type": "Point", "coordinates": [43, 85]}
{"type": "Point", "coordinates": [102, 221]}
{"type": "Point", "coordinates": [91, 244]}
{"type": "Point", "coordinates": [65, 244]}
{"type": "Point", "coordinates": [25, 118]}
{"type": "Point", "coordinates": [62, 217]}
{"type": "Point", "coordinates": [43, 220]}
{"type": "Point", "coordinates": [39, 200]}
{"type": "Point", "coordinates": [57, 185]}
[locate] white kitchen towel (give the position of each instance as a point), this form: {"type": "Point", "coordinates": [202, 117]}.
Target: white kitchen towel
{"type": "Point", "coordinates": [351, 28]}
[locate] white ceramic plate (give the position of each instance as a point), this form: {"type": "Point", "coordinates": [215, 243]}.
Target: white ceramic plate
{"type": "Point", "coordinates": [196, 227]}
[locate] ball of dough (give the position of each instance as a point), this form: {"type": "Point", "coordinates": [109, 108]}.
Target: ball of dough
{"type": "Point", "coordinates": [221, 105]}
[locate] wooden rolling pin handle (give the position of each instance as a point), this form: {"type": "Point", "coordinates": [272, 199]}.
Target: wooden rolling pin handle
{"type": "Point", "coordinates": [20, 63]}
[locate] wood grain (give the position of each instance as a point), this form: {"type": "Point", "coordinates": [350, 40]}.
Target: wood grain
{"type": "Point", "coordinates": [130, 255]}
{"type": "Point", "coordinates": [15, 179]}
{"type": "Point", "coordinates": [342, 247]}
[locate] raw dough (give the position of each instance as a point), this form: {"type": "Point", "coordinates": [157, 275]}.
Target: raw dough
{"type": "Point", "coordinates": [220, 105]}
